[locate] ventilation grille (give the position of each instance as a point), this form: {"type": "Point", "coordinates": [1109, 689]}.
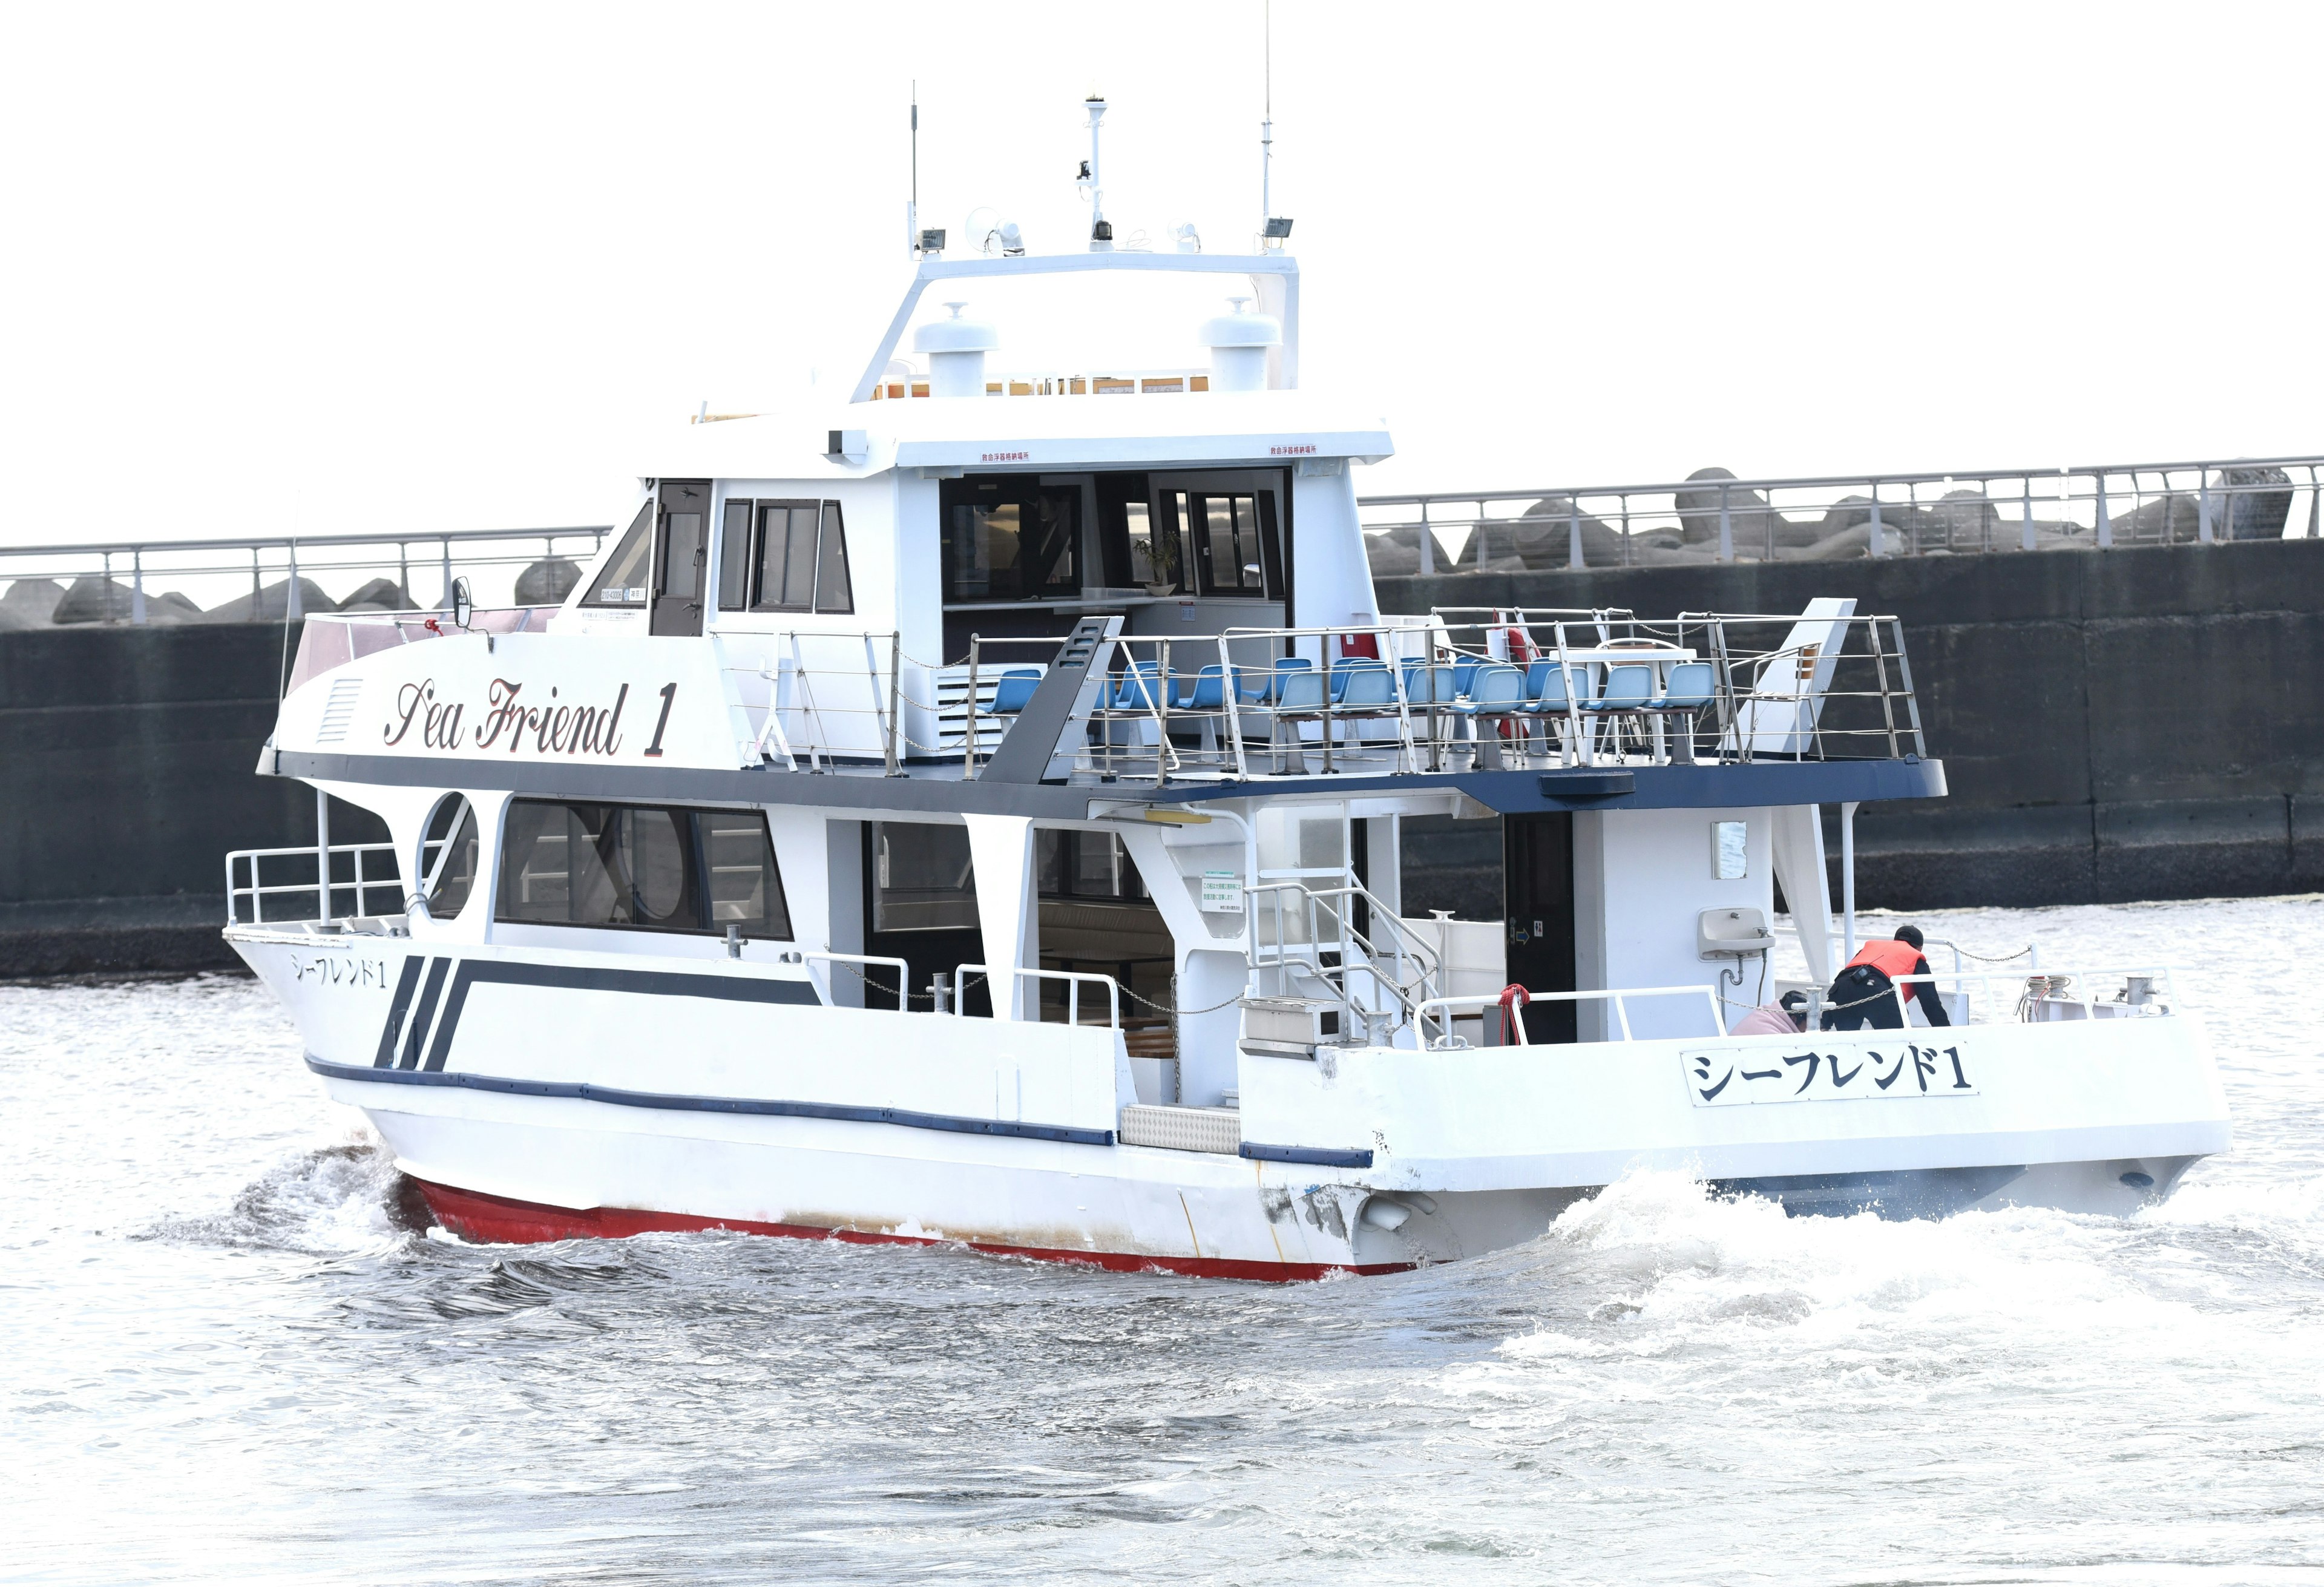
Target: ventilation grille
{"type": "Point", "coordinates": [1211, 1130]}
{"type": "Point", "coordinates": [339, 710]}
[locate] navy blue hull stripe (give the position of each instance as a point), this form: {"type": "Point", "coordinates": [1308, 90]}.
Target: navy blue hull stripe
{"type": "Point", "coordinates": [417, 1029]}
{"type": "Point", "coordinates": [714, 1104]}
{"type": "Point", "coordinates": [396, 1010]}
{"type": "Point", "coordinates": [1321, 1157]}
{"type": "Point", "coordinates": [733, 989]}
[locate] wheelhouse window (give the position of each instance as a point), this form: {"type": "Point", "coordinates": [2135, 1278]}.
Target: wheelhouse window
{"type": "Point", "coordinates": [650, 867]}
{"type": "Point", "coordinates": [623, 581]}
{"type": "Point", "coordinates": [784, 557]}
{"type": "Point", "coordinates": [1011, 539]}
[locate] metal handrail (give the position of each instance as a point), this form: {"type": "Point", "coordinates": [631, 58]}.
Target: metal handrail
{"type": "Point", "coordinates": [1073, 978]}
{"type": "Point", "coordinates": [2083, 498]}
{"type": "Point", "coordinates": [257, 891]}
{"type": "Point", "coordinates": [903, 973]}
{"type": "Point", "coordinates": [1428, 967]}
{"type": "Point", "coordinates": [1617, 995]}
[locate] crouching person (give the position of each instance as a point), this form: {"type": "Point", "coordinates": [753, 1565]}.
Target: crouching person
{"type": "Point", "coordinates": [1864, 994]}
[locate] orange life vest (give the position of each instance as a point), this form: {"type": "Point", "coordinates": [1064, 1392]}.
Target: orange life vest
{"type": "Point", "coordinates": [1891, 956]}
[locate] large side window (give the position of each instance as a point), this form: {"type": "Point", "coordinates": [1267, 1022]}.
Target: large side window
{"type": "Point", "coordinates": [783, 557]}
{"type": "Point", "coordinates": [623, 581]}
{"type": "Point", "coordinates": [656, 867]}
{"type": "Point", "coordinates": [1011, 539]}
{"type": "Point", "coordinates": [786, 555]}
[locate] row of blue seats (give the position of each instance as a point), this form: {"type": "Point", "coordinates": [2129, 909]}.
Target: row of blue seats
{"type": "Point", "coordinates": [1294, 687]}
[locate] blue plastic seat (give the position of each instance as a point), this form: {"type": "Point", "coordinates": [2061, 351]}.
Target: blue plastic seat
{"type": "Point", "coordinates": [1271, 684]}
{"type": "Point", "coordinates": [1014, 691]}
{"type": "Point", "coordinates": [1692, 686]}
{"type": "Point", "coordinates": [1140, 688]}
{"type": "Point", "coordinates": [1299, 694]}
{"type": "Point", "coordinates": [1464, 675]}
{"type": "Point", "coordinates": [1369, 690]}
{"type": "Point", "coordinates": [1494, 689]}
{"type": "Point", "coordinates": [1627, 688]}
{"type": "Point", "coordinates": [1546, 685]}
{"type": "Point", "coordinates": [1347, 670]}
{"type": "Point", "coordinates": [1205, 691]}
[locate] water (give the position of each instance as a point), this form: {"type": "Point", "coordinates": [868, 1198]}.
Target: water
{"type": "Point", "coordinates": [232, 1354]}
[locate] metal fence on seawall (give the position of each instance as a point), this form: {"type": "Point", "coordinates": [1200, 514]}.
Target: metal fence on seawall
{"type": "Point", "coordinates": [1712, 516]}
{"type": "Point", "coordinates": [284, 578]}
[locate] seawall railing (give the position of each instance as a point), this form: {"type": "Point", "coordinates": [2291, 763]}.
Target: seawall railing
{"type": "Point", "coordinates": [273, 578]}
{"type": "Point", "coordinates": [1715, 517]}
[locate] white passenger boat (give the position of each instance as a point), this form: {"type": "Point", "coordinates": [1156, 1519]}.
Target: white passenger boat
{"type": "Point", "coordinates": [973, 815]}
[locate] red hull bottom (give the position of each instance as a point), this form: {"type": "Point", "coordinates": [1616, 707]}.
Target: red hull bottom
{"type": "Point", "coordinates": [493, 1219]}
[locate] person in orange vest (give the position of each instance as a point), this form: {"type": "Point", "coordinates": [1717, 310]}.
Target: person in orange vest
{"type": "Point", "coordinates": [1867, 982]}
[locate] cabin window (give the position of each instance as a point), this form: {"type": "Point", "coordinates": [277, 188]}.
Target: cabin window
{"type": "Point", "coordinates": [1730, 851]}
{"type": "Point", "coordinates": [1085, 865]}
{"type": "Point", "coordinates": [655, 867]}
{"type": "Point", "coordinates": [1233, 537]}
{"type": "Point", "coordinates": [784, 557]}
{"type": "Point", "coordinates": [623, 581]}
{"type": "Point", "coordinates": [1011, 539]}
{"type": "Point", "coordinates": [447, 857]}
{"type": "Point", "coordinates": [922, 878]}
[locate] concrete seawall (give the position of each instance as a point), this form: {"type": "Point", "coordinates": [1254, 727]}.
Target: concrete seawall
{"type": "Point", "coordinates": [126, 759]}
{"type": "Point", "coordinates": [2142, 723]}
{"type": "Point", "coordinates": [2137, 723]}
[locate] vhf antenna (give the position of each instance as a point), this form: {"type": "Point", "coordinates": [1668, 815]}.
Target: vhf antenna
{"type": "Point", "coordinates": [912, 209]}
{"type": "Point", "coordinates": [1273, 228]}
{"type": "Point", "coordinates": [1267, 121]}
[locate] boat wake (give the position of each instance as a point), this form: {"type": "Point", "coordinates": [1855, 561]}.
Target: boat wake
{"type": "Point", "coordinates": [330, 1201]}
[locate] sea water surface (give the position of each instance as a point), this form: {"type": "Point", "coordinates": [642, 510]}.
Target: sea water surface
{"type": "Point", "coordinates": [232, 1351]}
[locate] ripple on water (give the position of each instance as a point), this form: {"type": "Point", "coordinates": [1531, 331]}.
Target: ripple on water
{"type": "Point", "coordinates": [239, 1353]}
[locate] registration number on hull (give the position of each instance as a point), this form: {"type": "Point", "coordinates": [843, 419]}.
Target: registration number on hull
{"type": "Point", "coordinates": [1729, 1077]}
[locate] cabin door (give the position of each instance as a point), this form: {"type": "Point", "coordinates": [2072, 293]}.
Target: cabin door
{"type": "Point", "coordinates": [1537, 893]}
{"type": "Point", "coordinates": [681, 556]}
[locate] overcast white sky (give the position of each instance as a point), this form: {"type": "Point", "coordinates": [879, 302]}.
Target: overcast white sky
{"type": "Point", "coordinates": [335, 267]}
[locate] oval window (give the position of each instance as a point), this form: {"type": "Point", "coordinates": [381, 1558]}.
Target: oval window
{"type": "Point", "coordinates": [447, 856]}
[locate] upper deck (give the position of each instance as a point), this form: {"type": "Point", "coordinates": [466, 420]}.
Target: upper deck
{"type": "Point", "coordinates": [1515, 710]}
{"type": "Point", "coordinates": [972, 588]}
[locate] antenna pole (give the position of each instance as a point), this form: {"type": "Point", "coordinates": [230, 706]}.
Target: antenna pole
{"type": "Point", "coordinates": [1267, 124]}
{"type": "Point", "coordinates": [912, 210]}
{"type": "Point", "coordinates": [1101, 234]}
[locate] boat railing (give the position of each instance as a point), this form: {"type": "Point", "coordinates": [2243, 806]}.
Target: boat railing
{"type": "Point", "coordinates": [1460, 689]}
{"type": "Point", "coordinates": [1449, 1008]}
{"type": "Point", "coordinates": [860, 962]}
{"type": "Point", "coordinates": [330, 640]}
{"type": "Point", "coordinates": [2043, 996]}
{"type": "Point", "coordinates": [1825, 517]}
{"type": "Point", "coordinates": [1072, 978]}
{"type": "Point", "coordinates": [245, 882]}
{"type": "Point", "coordinates": [1382, 974]}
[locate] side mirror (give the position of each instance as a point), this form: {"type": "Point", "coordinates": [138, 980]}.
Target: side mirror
{"type": "Point", "coordinates": [464, 603]}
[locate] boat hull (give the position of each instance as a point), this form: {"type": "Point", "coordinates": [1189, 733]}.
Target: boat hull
{"type": "Point", "coordinates": [544, 1096]}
